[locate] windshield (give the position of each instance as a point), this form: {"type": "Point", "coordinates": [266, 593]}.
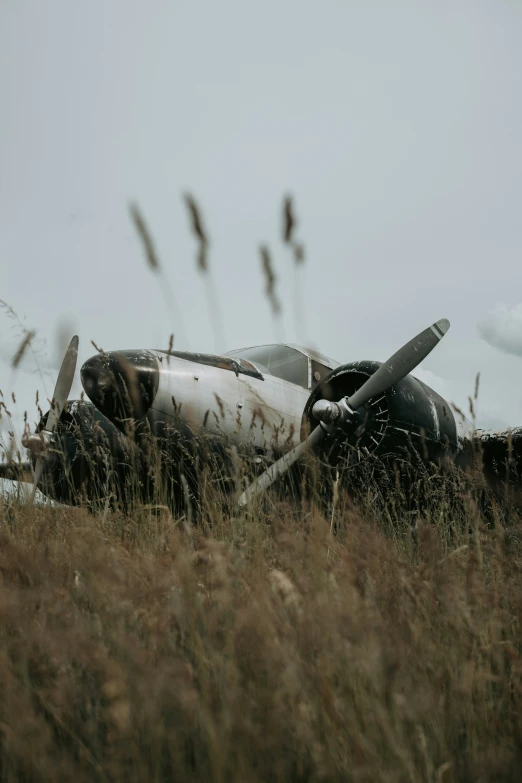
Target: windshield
{"type": "Point", "coordinates": [279, 360]}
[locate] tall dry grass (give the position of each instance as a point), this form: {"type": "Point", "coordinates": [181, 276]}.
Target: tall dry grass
{"type": "Point", "coordinates": [270, 647]}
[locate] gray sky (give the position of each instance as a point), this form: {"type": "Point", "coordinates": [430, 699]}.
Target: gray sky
{"type": "Point", "coordinates": [396, 126]}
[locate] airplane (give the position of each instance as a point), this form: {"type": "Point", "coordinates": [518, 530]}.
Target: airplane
{"type": "Point", "coordinates": [269, 405]}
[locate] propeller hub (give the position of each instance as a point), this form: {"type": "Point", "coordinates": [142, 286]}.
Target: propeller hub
{"type": "Point", "coordinates": [37, 443]}
{"type": "Point", "coordinates": [333, 414]}
{"type": "Point", "coordinates": [326, 412]}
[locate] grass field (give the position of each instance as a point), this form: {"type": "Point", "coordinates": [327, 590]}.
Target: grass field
{"type": "Point", "coordinates": [288, 645]}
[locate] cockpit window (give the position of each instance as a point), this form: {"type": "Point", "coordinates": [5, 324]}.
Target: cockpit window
{"type": "Point", "coordinates": [279, 360]}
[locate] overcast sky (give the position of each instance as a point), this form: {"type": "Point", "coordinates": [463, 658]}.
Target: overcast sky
{"type": "Point", "coordinates": [397, 127]}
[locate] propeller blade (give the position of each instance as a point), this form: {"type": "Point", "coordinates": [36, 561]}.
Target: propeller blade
{"type": "Point", "coordinates": [394, 370]}
{"type": "Point", "coordinates": [63, 385]}
{"type": "Point", "coordinates": [38, 443]}
{"type": "Point", "coordinates": [277, 469]}
{"type": "Point", "coordinates": [38, 470]}
{"type": "Point", "coordinates": [400, 364]}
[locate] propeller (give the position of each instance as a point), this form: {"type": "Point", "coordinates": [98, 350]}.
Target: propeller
{"type": "Point", "coordinates": [39, 442]}
{"type": "Point", "coordinates": [344, 413]}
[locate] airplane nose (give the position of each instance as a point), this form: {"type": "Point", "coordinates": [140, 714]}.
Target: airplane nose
{"type": "Point", "coordinates": [122, 384]}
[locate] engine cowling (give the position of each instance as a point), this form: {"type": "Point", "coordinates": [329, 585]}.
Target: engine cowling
{"type": "Point", "coordinates": [409, 416]}
{"type": "Point", "coordinates": [89, 459]}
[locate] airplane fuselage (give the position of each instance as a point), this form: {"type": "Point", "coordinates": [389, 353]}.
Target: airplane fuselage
{"type": "Point", "coordinates": [256, 399]}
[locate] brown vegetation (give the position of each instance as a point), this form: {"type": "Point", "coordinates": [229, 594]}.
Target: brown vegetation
{"type": "Point", "coordinates": [273, 647]}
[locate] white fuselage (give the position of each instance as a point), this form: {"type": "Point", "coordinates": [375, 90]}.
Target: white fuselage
{"type": "Point", "coordinates": [264, 414]}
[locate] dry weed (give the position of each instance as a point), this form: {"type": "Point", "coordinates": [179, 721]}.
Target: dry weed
{"type": "Point", "coordinates": [265, 649]}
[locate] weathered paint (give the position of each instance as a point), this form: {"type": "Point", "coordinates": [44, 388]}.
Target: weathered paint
{"type": "Point", "coordinates": [260, 412]}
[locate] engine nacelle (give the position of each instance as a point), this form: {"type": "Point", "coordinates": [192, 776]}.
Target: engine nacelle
{"type": "Point", "coordinates": [408, 417]}
{"type": "Point", "coordinates": [89, 459]}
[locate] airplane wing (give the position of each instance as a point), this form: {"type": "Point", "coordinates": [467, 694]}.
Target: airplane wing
{"type": "Point", "coordinates": [16, 471]}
